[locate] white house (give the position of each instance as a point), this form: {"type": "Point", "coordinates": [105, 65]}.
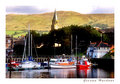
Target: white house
{"type": "Point", "coordinates": [97, 50]}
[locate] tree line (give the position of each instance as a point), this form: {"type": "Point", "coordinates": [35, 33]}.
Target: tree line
{"type": "Point", "coordinates": [85, 35]}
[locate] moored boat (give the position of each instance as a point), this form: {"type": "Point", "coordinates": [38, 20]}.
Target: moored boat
{"type": "Point", "coordinates": [83, 64]}
{"type": "Point", "coordinates": [63, 63]}
{"type": "Point", "coordinates": [12, 65]}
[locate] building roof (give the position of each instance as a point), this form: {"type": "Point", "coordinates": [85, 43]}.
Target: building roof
{"type": "Point", "coordinates": [106, 30]}
{"type": "Point", "coordinates": [92, 44]}
{"type": "Point", "coordinates": [99, 44]}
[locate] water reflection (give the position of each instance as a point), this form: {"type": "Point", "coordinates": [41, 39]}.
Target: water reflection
{"type": "Point", "coordinates": [62, 73]}
{"type": "Point", "coordinates": [83, 73]}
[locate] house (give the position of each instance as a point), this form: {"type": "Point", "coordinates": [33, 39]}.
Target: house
{"type": "Point", "coordinates": [9, 41]}
{"type": "Point", "coordinates": [97, 49]}
{"type": "Point", "coordinates": [19, 40]}
{"type": "Point", "coordinates": [9, 45]}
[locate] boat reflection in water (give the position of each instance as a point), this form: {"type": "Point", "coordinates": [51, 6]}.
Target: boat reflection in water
{"type": "Point", "coordinates": [83, 73]}
{"type": "Point", "coordinates": [62, 73]}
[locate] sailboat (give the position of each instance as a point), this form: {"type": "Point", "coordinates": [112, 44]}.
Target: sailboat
{"type": "Point", "coordinates": [63, 62]}
{"type": "Point", "coordinates": [27, 61]}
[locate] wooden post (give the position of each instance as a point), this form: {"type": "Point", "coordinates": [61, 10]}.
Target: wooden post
{"type": "Point", "coordinates": [48, 62]}
{"type": "Point", "coordinates": [77, 59]}
{"type": "Point", "coordinates": [10, 66]}
{"type": "Point", "coordinates": [71, 46]}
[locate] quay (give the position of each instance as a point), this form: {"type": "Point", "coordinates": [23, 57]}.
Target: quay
{"type": "Point", "coordinates": [107, 64]}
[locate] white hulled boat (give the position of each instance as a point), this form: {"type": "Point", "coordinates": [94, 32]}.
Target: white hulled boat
{"type": "Point", "coordinates": [63, 63]}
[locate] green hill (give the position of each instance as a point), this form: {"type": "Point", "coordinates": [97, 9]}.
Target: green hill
{"type": "Point", "coordinates": [42, 22]}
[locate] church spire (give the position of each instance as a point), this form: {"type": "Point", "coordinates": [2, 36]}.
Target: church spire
{"type": "Point", "coordinates": [54, 21]}
{"type": "Point", "coordinates": [55, 15]}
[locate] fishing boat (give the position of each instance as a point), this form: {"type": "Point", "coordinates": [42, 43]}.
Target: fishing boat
{"type": "Point", "coordinates": [27, 61]}
{"type": "Point", "coordinates": [83, 63]}
{"type": "Point", "coordinates": [63, 63]}
{"type": "Point", "coordinates": [12, 64]}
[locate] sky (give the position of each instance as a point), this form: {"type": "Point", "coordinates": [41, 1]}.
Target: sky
{"type": "Point", "coordinates": [81, 6]}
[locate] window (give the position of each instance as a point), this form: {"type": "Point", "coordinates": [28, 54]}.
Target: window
{"type": "Point", "coordinates": [9, 41]}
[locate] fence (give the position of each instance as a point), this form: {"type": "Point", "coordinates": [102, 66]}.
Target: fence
{"type": "Point", "coordinates": [39, 59]}
{"type": "Point", "coordinates": [20, 59]}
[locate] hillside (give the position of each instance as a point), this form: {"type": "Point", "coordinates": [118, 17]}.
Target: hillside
{"type": "Point", "coordinates": [42, 22]}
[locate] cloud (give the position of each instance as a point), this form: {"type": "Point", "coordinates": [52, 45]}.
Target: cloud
{"type": "Point", "coordinates": [25, 10]}
{"type": "Point", "coordinates": [102, 10]}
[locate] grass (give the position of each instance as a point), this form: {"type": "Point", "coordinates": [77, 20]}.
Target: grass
{"type": "Point", "coordinates": [16, 33]}
{"type": "Point", "coordinates": [10, 32]}
{"type": "Point", "coordinates": [22, 32]}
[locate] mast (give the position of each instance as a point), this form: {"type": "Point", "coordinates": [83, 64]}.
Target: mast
{"type": "Point", "coordinates": [31, 44]}
{"type": "Point", "coordinates": [101, 37]}
{"type": "Point", "coordinates": [29, 40]}
{"type": "Point", "coordinates": [71, 44]}
{"type": "Point", "coordinates": [24, 54]}
{"type": "Point", "coordinates": [24, 50]}
{"type": "Point", "coordinates": [76, 45]}
{"type": "Point", "coordinates": [76, 49]}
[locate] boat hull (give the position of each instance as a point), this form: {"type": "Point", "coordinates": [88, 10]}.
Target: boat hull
{"type": "Point", "coordinates": [29, 65]}
{"type": "Point", "coordinates": [82, 66]}
{"type": "Point", "coordinates": [62, 66]}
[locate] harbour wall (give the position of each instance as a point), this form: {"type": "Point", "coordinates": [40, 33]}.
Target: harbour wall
{"type": "Point", "coordinates": [107, 64]}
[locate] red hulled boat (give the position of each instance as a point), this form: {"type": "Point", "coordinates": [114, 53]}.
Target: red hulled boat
{"type": "Point", "coordinates": [83, 64]}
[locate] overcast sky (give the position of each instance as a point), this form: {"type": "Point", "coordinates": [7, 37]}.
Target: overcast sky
{"type": "Point", "coordinates": [81, 6]}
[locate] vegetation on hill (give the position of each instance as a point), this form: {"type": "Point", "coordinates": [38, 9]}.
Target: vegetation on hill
{"type": "Point", "coordinates": [109, 55]}
{"type": "Point", "coordinates": [42, 22]}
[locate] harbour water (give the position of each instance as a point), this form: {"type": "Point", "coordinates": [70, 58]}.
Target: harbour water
{"type": "Point", "coordinates": [62, 73]}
